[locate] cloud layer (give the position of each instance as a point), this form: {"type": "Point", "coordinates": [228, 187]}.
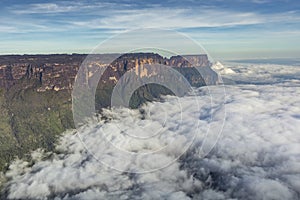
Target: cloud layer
{"type": "Point", "coordinates": [257, 157]}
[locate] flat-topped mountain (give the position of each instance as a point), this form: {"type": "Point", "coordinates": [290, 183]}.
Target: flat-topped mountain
{"type": "Point", "coordinates": [51, 70]}
{"type": "Point", "coordinates": [57, 72]}
{"type": "Point", "coordinates": [35, 92]}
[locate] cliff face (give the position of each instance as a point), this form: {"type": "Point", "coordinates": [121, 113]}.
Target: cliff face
{"type": "Point", "coordinates": [189, 61]}
{"type": "Point", "coordinates": [146, 65]}
{"type": "Point", "coordinates": [149, 67]}
{"type": "Point", "coordinates": [132, 61]}
{"type": "Point", "coordinates": [52, 71]}
{"type": "Point", "coordinates": [57, 72]}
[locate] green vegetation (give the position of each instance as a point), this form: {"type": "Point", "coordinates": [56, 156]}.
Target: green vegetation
{"type": "Point", "coordinates": [8, 144]}
{"type": "Point", "coordinates": [31, 120]}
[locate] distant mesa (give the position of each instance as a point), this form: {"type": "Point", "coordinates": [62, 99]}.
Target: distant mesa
{"type": "Point", "coordinates": [58, 71]}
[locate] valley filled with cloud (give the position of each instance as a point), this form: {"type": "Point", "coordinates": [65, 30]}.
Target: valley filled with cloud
{"type": "Point", "coordinates": [191, 147]}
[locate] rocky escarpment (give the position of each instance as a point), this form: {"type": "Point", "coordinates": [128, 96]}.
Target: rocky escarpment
{"type": "Point", "coordinates": [150, 67]}
{"type": "Point", "coordinates": [141, 63]}
{"type": "Point", "coordinates": [52, 71]}
{"type": "Point", "coordinates": [57, 72]}
{"type": "Point", "coordinates": [35, 93]}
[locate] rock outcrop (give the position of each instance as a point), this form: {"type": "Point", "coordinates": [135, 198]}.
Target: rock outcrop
{"type": "Point", "coordinates": [58, 71]}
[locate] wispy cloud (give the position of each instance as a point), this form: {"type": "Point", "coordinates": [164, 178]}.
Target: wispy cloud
{"type": "Point", "coordinates": [46, 8]}
{"type": "Point", "coordinates": [8, 29]}
{"type": "Point", "coordinates": [62, 7]}
{"type": "Point", "coordinates": [260, 1]}
{"type": "Point", "coordinates": [182, 18]}
{"type": "Point", "coordinates": [105, 15]}
{"type": "Point", "coordinates": [169, 18]}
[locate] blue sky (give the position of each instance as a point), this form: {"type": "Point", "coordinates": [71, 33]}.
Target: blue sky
{"type": "Point", "coordinates": [227, 29]}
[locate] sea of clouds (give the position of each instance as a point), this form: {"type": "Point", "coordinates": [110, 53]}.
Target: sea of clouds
{"type": "Point", "coordinates": [257, 155]}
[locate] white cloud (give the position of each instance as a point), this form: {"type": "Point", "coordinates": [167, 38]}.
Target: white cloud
{"type": "Point", "coordinates": [46, 8]}
{"type": "Point", "coordinates": [62, 7]}
{"type": "Point", "coordinates": [260, 1]}
{"type": "Point", "coordinates": [7, 29]}
{"type": "Point", "coordinates": [262, 73]}
{"type": "Point", "coordinates": [170, 18]}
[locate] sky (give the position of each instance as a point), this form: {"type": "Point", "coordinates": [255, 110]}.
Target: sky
{"type": "Point", "coordinates": [226, 29]}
